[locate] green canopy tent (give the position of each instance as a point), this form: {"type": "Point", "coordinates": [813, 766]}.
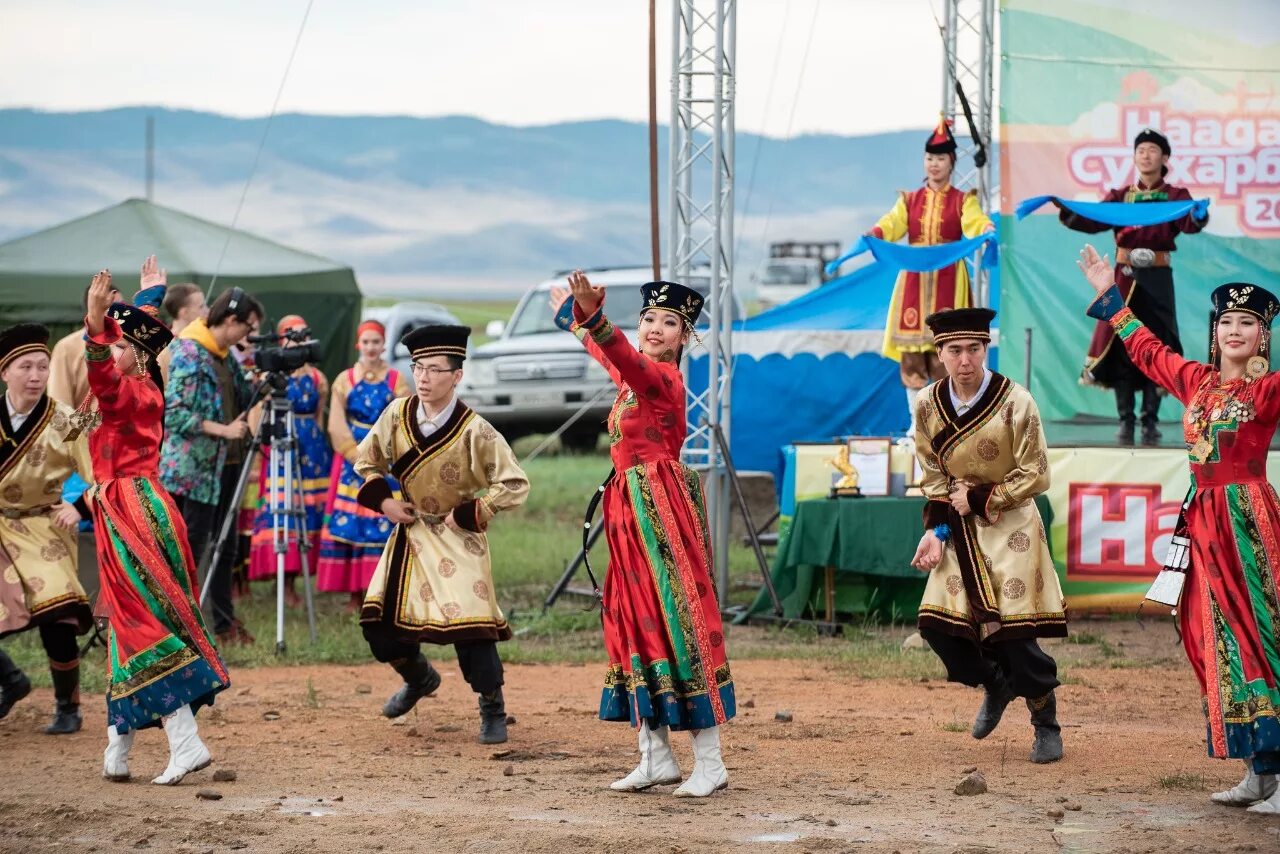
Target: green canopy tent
{"type": "Point", "coordinates": [43, 275]}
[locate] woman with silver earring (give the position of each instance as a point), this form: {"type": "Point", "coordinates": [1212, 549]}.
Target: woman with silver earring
{"type": "Point", "coordinates": [1229, 610]}
{"type": "Point", "coordinates": [668, 668]}
{"type": "Point", "coordinates": [163, 665]}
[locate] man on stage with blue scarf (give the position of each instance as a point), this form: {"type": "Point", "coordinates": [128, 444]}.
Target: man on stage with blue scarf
{"type": "Point", "coordinates": [1144, 274]}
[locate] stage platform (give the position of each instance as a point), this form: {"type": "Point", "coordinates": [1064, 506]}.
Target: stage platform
{"type": "Point", "coordinates": [1092, 432]}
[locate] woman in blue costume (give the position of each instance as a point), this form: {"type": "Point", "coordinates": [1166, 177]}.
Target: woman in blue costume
{"type": "Point", "coordinates": [307, 391]}
{"type": "Point", "coordinates": [353, 538]}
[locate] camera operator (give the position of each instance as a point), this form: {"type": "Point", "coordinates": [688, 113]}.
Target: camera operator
{"type": "Point", "coordinates": [307, 391]}
{"type": "Point", "coordinates": [205, 433]}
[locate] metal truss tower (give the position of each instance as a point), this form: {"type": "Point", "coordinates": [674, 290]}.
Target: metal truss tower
{"type": "Point", "coordinates": [700, 240]}
{"type": "Point", "coordinates": [969, 37]}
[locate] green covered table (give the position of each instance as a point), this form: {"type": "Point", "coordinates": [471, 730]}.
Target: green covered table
{"type": "Point", "coordinates": [853, 555]}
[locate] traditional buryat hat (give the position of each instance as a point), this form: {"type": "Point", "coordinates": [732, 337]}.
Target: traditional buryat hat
{"type": "Point", "coordinates": [21, 339]}
{"type": "Point", "coordinates": [140, 320]}
{"type": "Point", "coordinates": [1153, 135]}
{"type": "Point", "coordinates": [672, 297]}
{"type": "Point", "coordinates": [956, 323]}
{"type": "Point", "coordinates": [1242, 296]}
{"type": "Point", "coordinates": [941, 141]}
{"type": "Point", "coordinates": [436, 339]}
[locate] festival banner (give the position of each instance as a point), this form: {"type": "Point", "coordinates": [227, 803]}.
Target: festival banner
{"type": "Point", "coordinates": [1114, 510]}
{"type": "Point", "coordinates": [1078, 82]}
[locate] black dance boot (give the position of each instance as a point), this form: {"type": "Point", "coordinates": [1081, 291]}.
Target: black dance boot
{"type": "Point", "coordinates": [996, 695]}
{"type": "Point", "coordinates": [1150, 416]}
{"type": "Point", "coordinates": [493, 718]}
{"type": "Point", "coordinates": [1044, 717]}
{"type": "Point", "coordinates": [14, 684]}
{"type": "Point", "coordinates": [66, 694]}
{"type": "Point", "coordinates": [1124, 409]}
{"type": "Point", "coordinates": [420, 680]}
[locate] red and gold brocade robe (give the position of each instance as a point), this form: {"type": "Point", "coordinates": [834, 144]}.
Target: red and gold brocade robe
{"type": "Point", "coordinates": [927, 218]}
{"type": "Point", "coordinates": [160, 655]}
{"type": "Point", "coordinates": [1230, 610]}
{"type": "Point", "coordinates": [662, 631]}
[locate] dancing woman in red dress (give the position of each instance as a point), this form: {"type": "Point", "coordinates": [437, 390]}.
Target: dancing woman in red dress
{"type": "Point", "coordinates": [1229, 613]}
{"type": "Point", "coordinates": [162, 664]}
{"type": "Point", "coordinates": [667, 663]}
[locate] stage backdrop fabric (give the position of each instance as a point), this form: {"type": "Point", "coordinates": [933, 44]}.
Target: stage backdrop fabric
{"type": "Point", "coordinates": [1078, 82]}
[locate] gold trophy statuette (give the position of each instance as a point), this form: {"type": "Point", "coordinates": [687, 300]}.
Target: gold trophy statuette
{"type": "Point", "coordinates": [847, 485]}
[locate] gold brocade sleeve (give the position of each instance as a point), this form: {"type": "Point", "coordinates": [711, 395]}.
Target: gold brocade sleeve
{"type": "Point", "coordinates": [893, 225]}
{"type": "Point", "coordinates": [933, 483]}
{"type": "Point", "coordinates": [1030, 475]}
{"type": "Point", "coordinates": [972, 219]}
{"type": "Point", "coordinates": [494, 463]}
{"type": "Point", "coordinates": [340, 435]}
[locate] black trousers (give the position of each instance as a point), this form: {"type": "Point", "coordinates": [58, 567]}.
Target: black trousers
{"type": "Point", "coordinates": [1029, 670]}
{"type": "Point", "coordinates": [59, 642]}
{"type": "Point", "coordinates": [204, 523]}
{"type": "Point", "coordinates": [478, 660]}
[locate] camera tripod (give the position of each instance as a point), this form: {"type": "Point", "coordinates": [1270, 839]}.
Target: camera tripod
{"type": "Point", "coordinates": [278, 439]}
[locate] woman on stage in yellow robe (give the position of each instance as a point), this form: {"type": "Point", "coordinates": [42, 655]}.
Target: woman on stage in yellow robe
{"type": "Point", "coordinates": [928, 216]}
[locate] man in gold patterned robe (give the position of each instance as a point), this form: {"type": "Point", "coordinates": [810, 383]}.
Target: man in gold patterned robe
{"type": "Point", "coordinates": [434, 581]}
{"type": "Point", "coordinates": [995, 590]}
{"type": "Point", "coordinates": [39, 587]}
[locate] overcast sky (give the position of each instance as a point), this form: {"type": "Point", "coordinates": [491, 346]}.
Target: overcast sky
{"type": "Point", "coordinates": [873, 65]}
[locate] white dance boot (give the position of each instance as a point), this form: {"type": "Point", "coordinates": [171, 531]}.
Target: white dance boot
{"type": "Point", "coordinates": [187, 752]}
{"type": "Point", "coordinates": [709, 774]}
{"type": "Point", "coordinates": [658, 766]}
{"type": "Point", "coordinates": [1250, 790]}
{"type": "Point", "coordinates": [115, 759]}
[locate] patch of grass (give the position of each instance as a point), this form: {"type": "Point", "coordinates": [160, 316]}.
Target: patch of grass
{"type": "Point", "coordinates": [954, 726]}
{"type": "Point", "coordinates": [313, 696]}
{"type": "Point", "coordinates": [1085, 638]}
{"type": "Point", "coordinates": [1184, 782]}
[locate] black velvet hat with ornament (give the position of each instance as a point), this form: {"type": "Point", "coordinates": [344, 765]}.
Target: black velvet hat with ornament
{"type": "Point", "coordinates": [672, 297]}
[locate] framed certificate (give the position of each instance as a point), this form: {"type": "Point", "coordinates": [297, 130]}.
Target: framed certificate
{"type": "Point", "coordinates": [870, 457]}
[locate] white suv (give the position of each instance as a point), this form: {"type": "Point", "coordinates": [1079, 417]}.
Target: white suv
{"type": "Point", "coordinates": [534, 376]}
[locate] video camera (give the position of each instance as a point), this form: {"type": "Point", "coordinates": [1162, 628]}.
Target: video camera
{"type": "Point", "coordinates": [286, 360]}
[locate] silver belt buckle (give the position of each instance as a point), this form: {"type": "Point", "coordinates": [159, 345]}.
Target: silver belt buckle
{"type": "Point", "coordinates": [1142, 257]}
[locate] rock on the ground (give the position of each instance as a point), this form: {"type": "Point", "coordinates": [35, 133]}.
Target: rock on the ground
{"type": "Point", "coordinates": [970, 769]}
{"type": "Point", "coordinates": [364, 689]}
{"type": "Point", "coordinates": [783, 715]}
{"type": "Point", "coordinates": [224, 775]}
{"type": "Point", "coordinates": [209, 795]}
{"type": "Point", "coordinates": [914, 641]}
{"type": "Point", "coordinates": [509, 771]}
{"type": "Point", "coordinates": [1054, 813]}
{"type": "Point", "coordinates": [972, 784]}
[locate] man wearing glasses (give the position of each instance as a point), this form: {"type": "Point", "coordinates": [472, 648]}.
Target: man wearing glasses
{"type": "Point", "coordinates": [434, 581]}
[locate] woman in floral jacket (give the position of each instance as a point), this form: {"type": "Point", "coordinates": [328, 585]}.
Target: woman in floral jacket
{"type": "Point", "coordinates": [205, 429]}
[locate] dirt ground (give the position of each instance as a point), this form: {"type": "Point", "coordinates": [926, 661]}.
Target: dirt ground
{"type": "Point", "coordinates": [863, 766]}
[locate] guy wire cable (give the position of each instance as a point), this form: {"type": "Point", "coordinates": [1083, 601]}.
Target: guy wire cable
{"type": "Point", "coordinates": [275, 105]}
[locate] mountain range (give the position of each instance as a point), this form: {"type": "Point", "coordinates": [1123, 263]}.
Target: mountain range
{"type": "Point", "coordinates": [449, 206]}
